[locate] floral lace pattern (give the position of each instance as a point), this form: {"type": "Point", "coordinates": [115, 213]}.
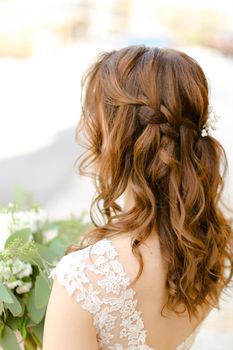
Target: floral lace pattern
{"type": "Point", "coordinates": [101, 288]}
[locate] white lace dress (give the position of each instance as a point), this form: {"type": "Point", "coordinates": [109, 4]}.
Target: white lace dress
{"type": "Point", "coordinates": [101, 287]}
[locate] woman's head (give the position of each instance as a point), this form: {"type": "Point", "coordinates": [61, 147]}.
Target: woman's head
{"type": "Point", "coordinates": [143, 110]}
{"type": "Point", "coordinates": [138, 86]}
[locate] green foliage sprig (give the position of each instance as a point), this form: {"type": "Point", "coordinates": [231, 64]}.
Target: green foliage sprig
{"type": "Point", "coordinates": [31, 249]}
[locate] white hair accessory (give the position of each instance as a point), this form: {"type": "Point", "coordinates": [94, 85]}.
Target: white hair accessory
{"type": "Point", "coordinates": [212, 119]}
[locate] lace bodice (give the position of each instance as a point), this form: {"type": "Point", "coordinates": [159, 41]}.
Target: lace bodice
{"type": "Point", "coordinates": [101, 286]}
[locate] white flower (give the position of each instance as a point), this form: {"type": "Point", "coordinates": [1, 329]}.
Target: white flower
{"type": "Point", "coordinates": [11, 205]}
{"type": "Point", "coordinates": [48, 235]}
{"type": "Point", "coordinates": [6, 272]}
{"type": "Point", "coordinates": [31, 219]}
{"type": "Point", "coordinates": [17, 220]}
{"type": "Point", "coordinates": [212, 119]}
{"type": "Point", "coordinates": [27, 271]}
{"type": "Point", "coordinates": [204, 132]}
{"type": "Point", "coordinates": [24, 288]}
{"type": "Point", "coordinates": [9, 262]}
{"type": "Point", "coordinates": [11, 273]}
{"type": "Point", "coordinates": [18, 266]}
{"type": "Point", "coordinates": [13, 284]}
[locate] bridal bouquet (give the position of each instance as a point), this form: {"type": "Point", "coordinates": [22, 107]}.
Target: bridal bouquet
{"type": "Point", "coordinates": [30, 245]}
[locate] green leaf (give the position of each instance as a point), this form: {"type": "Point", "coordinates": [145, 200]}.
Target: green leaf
{"type": "Point", "coordinates": [23, 235]}
{"type": "Point", "coordinates": [2, 325]}
{"type": "Point", "coordinates": [19, 197]}
{"type": "Point", "coordinates": [34, 313]}
{"type": "Point", "coordinates": [38, 330]}
{"type": "Point", "coordinates": [4, 294]}
{"type": "Point", "coordinates": [24, 251]}
{"type": "Point", "coordinates": [8, 341]}
{"type": "Point", "coordinates": [38, 236]}
{"type": "Point", "coordinates": [57, 246]}
{"type": "Point", "coordinates": [23, 331]}
{"type": "Point", "coordinates": [45, 252]}
{"type": "Point", "coordinates": [31, 323]}
{"type": "Point", "coordinates": [42, 290]}
{"type": "Point", "coordinates": [22, 327]}
{"type": "Point", "coordinates": [15, 307]}
{"type": "Point", "coordinates": [12, 322]}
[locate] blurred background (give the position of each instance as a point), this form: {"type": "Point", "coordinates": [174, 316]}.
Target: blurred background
{"type": "Point", "coordinates": [45, 45]}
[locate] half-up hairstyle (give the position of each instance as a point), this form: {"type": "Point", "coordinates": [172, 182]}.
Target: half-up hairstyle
{"type": "Point", "coordinates": [143, 109]}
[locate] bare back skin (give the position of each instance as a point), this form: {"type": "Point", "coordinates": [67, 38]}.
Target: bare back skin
{"type": "Point", "coordinates": [162, 333]}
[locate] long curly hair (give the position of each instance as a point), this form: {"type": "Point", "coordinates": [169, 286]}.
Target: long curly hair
{"type": "Point", "coordinates": [142, 112]}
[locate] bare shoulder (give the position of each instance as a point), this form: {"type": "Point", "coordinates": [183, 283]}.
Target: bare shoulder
{"type": "Point", "coordinates": [150, 247]}
{"type": "Point", "coordinates": [150, 251]}
{"type": "Point", "coordinates": [67, 324]}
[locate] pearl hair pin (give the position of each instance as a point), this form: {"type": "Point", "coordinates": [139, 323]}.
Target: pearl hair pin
{"type": "Point", "coordinates": [210, 124]}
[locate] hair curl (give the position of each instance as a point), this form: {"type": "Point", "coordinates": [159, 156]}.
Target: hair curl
{"type": "Point", "coordinates": [142, 112]}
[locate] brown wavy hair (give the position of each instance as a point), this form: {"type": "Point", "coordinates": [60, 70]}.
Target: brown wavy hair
{"type": "Point", "coordinates": [143, 109]}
